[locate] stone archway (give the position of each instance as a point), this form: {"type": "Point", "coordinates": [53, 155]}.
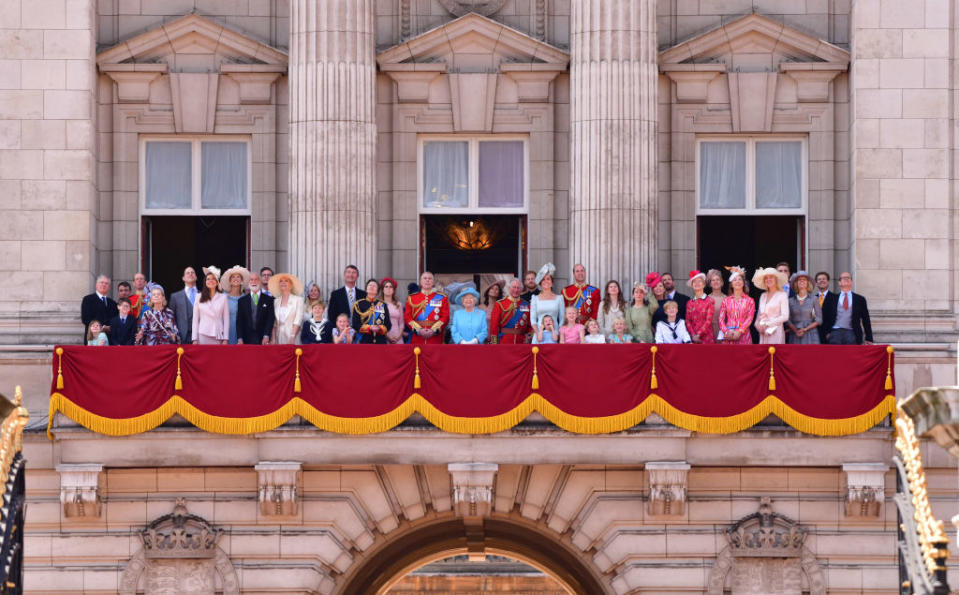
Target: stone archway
{"type": "Point", "coordinates": [504, 536]}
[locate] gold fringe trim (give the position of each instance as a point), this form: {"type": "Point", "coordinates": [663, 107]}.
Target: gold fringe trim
{"type": "Point", "coordinates": [771, 405]}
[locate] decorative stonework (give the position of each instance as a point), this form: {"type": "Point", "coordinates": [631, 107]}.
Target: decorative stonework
{"type": "Point", "coordinates": [79, 489]}
{"type": "Point", "coordinates": [766, 534]}
{"type": "Point", "coordinates": [667, 488]}
{"type": "Point", "coordinates": [865, 488]}
{"type": "Point", "coordinates": [483, 7]}
{"type": "Point", "coordinates": [277, 487]}
{"type": "Point", "coordinates": [180, 535]}
{"type": "Point", "coordinates": [473, 488]}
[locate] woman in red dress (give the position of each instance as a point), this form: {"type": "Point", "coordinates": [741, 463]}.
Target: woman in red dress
{"type": "Point", "coordinates": [699, 310]}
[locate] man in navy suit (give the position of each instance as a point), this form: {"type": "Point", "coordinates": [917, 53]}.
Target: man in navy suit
{"type": "Point", "coordinates": [98, 306]}
{"type": "Point", "coordinates": [845, 316]}
{"type": "Point", "coordinates": [254, 315]}
{"type": "Point", "coordinates": [342, 300]}
{"type": "Point", "coordinates": [123, 326]}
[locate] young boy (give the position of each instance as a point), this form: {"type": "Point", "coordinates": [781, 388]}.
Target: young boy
{"type": "Point", "coordinates": [673, 329]}
{"type": "Point", "coordinates": [123, 328]}
{"type": "Point", "coordinates": [343, 333]}
{"type": "Point", "coordinates": [312, 329]}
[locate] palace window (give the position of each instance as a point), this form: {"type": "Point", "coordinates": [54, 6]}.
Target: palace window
{"type": "Point", "coordinates": [484, 174]}
{"type": "Point", "coordinates": [195, 175]}
{"type": "Point", "coordinates": [751, 175]}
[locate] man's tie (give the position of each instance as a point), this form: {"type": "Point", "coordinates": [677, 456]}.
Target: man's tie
{"type": "Point", "coordinates": [350, 298]}
{"type": "Point", "coordinates": [192, 295]}
{"type": "Point", "coordinates": [822, 298]}
{"type": "Point", "coordinates": [845, 301]}
{"type": "Point", "coordinates": [256, 299]}
{"type": "Point", "coordinates": [103, 300]}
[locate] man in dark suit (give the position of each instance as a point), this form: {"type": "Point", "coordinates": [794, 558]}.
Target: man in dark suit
{"type": "Point", "coordinates": [845, 316]}
{"type": "Point", "coordinates": [671, 294]}
{"type": "Point", "coordinates": [181, 303]}
{"type": "Point", "coordinates": [342, 300]}
{"type": "Point", "coordinates": [123, 327]}
{"type": "Point", "coordinates": [254, 315]}
{"type": "Point", "coordinates": [98, 306]}
{"type": "Point", "coordinates": [822, 294]}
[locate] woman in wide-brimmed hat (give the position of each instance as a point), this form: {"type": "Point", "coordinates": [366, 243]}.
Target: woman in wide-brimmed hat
{"type": "Point", "coordinates": [234, 283]}
{"type": "Point", "coordinates": [546, 302]}
{"type": "Point", "coordinates": [469, 323]}
{"type": "Point", "coordinates": [211, 312]}
{"type": "Point", "coordinates": [773, 309]}
{"type": "Point", "coordinates": [288, 307]}
{"type": "Point", "coordinates": [805, 314]}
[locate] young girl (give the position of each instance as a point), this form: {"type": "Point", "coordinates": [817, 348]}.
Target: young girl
{"type": "Point", "coordinates": [593, 333]}
{"type": "Point", "coordinates": [343, 333]}
{"type": "Point", "coordinates": [547, 331]}
{"type": "Point", "coordinates": [95, 334]}
{"type": "Point", "coordinates": [572, 331]}
{"type": "Point", "coordinates": [619, 334]}
{"type": "Point", "coordinates": [673, 329]}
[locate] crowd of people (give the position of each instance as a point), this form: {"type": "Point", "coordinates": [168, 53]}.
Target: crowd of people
{"type": "Point", "coordinates": [239, 306]}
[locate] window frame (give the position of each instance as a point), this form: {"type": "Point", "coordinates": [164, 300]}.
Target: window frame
{"type": "Point", "coordinates": [196, 172]}
{"type": "Point", "coordinates": [751, 141]}
{"type": "Point", "coordinates": [472, 141]}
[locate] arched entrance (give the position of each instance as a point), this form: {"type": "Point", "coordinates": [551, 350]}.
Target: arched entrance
{"type": "Point", "coordinates": [515, 539]}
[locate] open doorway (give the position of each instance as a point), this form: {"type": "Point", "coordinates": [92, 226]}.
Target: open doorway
{"type": "Point", "coordinates": [478, 248]}
{"type": "Point", "coordinates": [172, 243]}
{"type": "Point", "coordinates": [750, 241]}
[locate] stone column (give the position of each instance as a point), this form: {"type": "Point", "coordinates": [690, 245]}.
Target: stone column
{"type": "Point", "coordinates": [332, 139]}
{"type": "Point", "coordinates": [613, 83]}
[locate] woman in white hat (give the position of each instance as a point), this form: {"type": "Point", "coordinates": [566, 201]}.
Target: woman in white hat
{"type": "Point", "coordinates": [211, 312]}
{"type": "Point", "coordinates": [287, 307]}
{"type": "Point", "coordinates": [773, 306]}
{"type": "Point", "coordinates": [232, 283]}
{"type": "Point", "coordinates": [545, 303]}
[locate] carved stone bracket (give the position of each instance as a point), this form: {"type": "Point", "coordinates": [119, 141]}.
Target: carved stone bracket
{"type": "Point", "coordinates": [865, 488]}
{"type": "Point", "coordinates": [277, 487]}
{"type": "Point", "coordinates": [80, 489]}
{"type": "Point", "coordinates": [667, 488]}
{"type": "Point", "coordinates": [473, 488]}
{"type": "Point", "coordinates": [133, 80]}
{"type": "Point", "coordinates": [692, 80]}
{"type": "Point", "coordinates": [255, 80]}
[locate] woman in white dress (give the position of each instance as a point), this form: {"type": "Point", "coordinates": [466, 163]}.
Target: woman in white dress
{"type": "Point", "coordinates": [613, 307]}
{"type": "Point", "coordinates": [773, 310]}
{"type": "Point", "coordinates": [211, 313]}
{"type": "Point", "coordinates": [546, 303]}
{"type": "Point", "coordinates": [287, 307]}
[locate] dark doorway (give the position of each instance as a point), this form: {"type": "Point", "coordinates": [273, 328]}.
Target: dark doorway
{"type": "Point", "coordinates": [173, 243]}
{"type": "Point", "coordinates": [750, 241]}
{"type": "Point", "coordinates": [474, 244]}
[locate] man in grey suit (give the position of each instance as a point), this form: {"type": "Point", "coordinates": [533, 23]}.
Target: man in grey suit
{"type": "Point", "coordinates": [181, 303]}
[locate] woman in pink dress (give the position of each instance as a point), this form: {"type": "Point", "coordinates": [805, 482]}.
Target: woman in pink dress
{"type": "Point", "coordinates": [395, 308]}
{"type": "Point", "coordinates": [773, 306]}
{"type": "Point", "coordinates": [699, 311]}
{"type": "Point", "coordinates": [736, 313]}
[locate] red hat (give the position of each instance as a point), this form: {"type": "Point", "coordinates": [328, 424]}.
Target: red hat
{"type": "Point", "coordinates": [390, 279]}
{"type": "Point", "coordinates": [653, 279]}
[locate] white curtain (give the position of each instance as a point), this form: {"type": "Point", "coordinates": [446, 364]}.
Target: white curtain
{"type": "Point", "coordinates": [779, 175]}
{"type": "Point", "coordinates": [501, 166]}
{"type": "Point", "coordinates": [722, 175]}
{"type": "Point", "coordinates": [224, 176]}
{"type": "Point", "coordinates": [445, 174]}
{"type": "Point", "coordinates": [168, 175]}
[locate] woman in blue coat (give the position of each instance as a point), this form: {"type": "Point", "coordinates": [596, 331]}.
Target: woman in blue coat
{"type": "Point", "coordinates": [469, 322]}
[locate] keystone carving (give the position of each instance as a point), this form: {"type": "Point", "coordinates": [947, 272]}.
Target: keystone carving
{"type": "Point", "coordinates": [473, 488]}
{"type": "Point", "coordinates": [865, 488]}
{"type": "Point", "coordinates": [277, 487]}
{"type": "Point", "coordinates": [80, 489]}
{"type": "Point", "coordinates": [667, 488]}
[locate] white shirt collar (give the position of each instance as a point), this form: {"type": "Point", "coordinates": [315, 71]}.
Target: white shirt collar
{"type": "Point", "coordinates": [100, 296]}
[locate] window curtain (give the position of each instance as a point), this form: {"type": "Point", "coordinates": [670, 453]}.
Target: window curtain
{"type": "Point", "coordinates": [446, 174]}
{"type": "Point", "coordinates": [779, 175]}
{"type": "Point", "coordinates": [168, 175]}
{"type": "Point", "coordinates": [501, 166]}
{"type": "Point", "coordinates": [722, 175]}
{"type": "Point", "coordinates": [224, 176]}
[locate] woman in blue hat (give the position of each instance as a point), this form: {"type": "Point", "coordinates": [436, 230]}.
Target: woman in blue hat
{"type": "Point", "coordinates": [469, 322]}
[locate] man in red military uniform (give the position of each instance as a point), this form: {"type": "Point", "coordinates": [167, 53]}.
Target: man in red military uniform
{"type": "Point", "coordinates": [427, 313]}
{"type": "Point", "coordinates": [582, 296]}
{"type": "Point", "coordinates": [509, 321]}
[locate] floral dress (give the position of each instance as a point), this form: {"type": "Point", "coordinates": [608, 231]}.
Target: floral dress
{"type": "Point", "coordinates": [736, 314]}
{"type": "Point", "coordinates": [699, 319]}
{"type": "Point", "coordinates": [159, 328]}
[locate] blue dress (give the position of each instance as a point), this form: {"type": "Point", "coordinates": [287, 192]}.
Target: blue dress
{"type": "Point", "coordinates": [469, 325]}
{"type": "Point", "coordinates": [233, 303]}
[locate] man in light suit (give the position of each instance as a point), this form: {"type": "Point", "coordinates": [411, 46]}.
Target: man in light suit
{"type": "Point", "coordinates": [845, 316]}
{"type": "Point", "coordinates": [181, 303]}
{"type": "Point", "coordinates": [98, 306]}
{"type": "Point", "coordinates": [342, 300]}
{"type": "Point", "coordinates": [254, 315]}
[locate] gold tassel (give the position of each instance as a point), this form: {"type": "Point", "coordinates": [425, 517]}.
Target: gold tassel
{"type": "Point", "coordinates": [889, 351]}
{"type": "Point", "coordinates": [772, 378]}
{"type": "Point", "coordinates": [297, 386]}
{"type": "Point", "coordinates": [178, 385]}
{"type": "Point", "coordinates": [535, 374]}
{"type": "Point", "coordinates": [60, 368]}
{"type": "Point", "coordinates": [416, 379]}
{"type": "Point", "coordinates": [653, 382]}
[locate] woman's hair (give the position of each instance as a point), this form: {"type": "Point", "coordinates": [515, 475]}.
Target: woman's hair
{"type": "Point", "coordinates": [488, 289]}
{"type": "Point", "coordinates": [709, 278]}
{"type": "Point", "coordinates": [90, 335]}
{"type": "Point", "coordinates": [745, 287]}
{"type": "Point", "coordinates": [205, 294]}
{"type": "Point", "coordinates": [620, 301]}
{"type": "Point", "coordinates": [382, 294]}
{"type": "Point", "coordinates": [645, 288]}
{"type": "Point", "coordinates": [368, 281]}
{"type": "Point", "coordinates": [162, 297]}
